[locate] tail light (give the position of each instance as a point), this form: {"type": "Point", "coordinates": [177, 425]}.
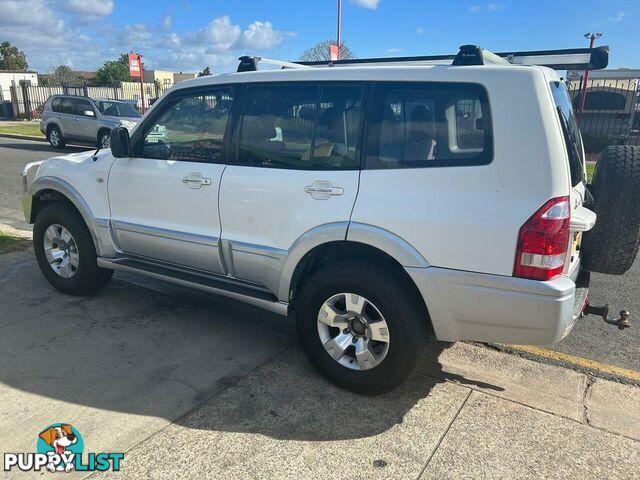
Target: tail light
{"type": "Point", "coordinates": [543, 241]}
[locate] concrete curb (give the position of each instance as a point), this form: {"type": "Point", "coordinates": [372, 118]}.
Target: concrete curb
{"type": "Point", "coordinates": [23, 137]}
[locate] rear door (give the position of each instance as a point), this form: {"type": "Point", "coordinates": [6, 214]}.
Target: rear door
{"type": "Point", "coordinates": [164, 200]}
{"type": "Point", "coordinates": [296, 167]}
{"type": "Point", "coordinates": [67, 118]}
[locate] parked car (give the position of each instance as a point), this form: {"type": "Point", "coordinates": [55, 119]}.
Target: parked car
{"type": "Point", "coordinates": [376, 205]}
{"type": "Point", "coordinates": [83, 120]}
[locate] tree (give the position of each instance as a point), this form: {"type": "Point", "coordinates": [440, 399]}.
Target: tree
{"type": "Point", "coordinates": [112, 72]}
{"type": "Point", "coordinates": [11, 58]}
{"type": "Point", "coordinates": [205, 72]}
{"type": "Point", "coordinates": [320, 52]}
{"type": "Point", "coordinates": [63, 74]}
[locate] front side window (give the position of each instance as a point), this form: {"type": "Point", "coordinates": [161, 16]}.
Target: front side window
{"type": "Point", "coordinates": [306, 127]}
{"type": "Point", "coordinates": [191, 128]}
{"type": "Point", "coordinates": [83, 106]}
{"type": "Point", "coordinates": [423, 125]}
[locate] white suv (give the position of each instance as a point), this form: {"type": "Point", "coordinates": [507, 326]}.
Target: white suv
{"type": "Point", "coordinates": [376, 204]}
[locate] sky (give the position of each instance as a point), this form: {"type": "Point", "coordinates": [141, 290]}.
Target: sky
{"type": "Point", "coordinates": [187, 35]}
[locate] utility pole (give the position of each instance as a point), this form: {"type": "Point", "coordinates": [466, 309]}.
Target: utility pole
{"type": "Point", "coordinates": [338, 40]}
{"type": "Point", "coordinates": [583, 95]}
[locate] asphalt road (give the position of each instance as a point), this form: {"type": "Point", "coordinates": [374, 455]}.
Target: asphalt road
{"type": "Point", "coordinates": [591, 338]}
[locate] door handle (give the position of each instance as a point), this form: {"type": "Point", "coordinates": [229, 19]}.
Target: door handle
{"type": "Point", "coordinates": [322, 190]}
{"type": "Point", "coordinates": [195, 180]}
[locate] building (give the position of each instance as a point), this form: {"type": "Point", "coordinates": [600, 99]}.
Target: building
{"type": "Point", "coordinates": [7, 77]}
{"type": "Point", "coordinates": [166, 78]}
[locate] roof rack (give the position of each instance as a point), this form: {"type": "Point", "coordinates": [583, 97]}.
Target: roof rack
{"type": "Point", "coordinates": [250, 64]}
{"type": "Point", "coordinates": [566, 59]}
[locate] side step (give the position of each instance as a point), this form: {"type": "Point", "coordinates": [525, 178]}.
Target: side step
{"type": "Point", "coordinates": [216, 284]}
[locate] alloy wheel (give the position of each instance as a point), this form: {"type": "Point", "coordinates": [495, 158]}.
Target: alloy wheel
{"type": "Point", "coordinates": [61, 251]}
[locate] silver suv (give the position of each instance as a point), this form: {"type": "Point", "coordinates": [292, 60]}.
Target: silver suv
{"type": "Point", "coordinates": [69, 118]}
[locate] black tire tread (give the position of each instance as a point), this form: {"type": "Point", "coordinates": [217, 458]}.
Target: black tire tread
{"type": "Point", "coordinates": [89, 278]}
{"type": "Point", "coordinates": [612, 245]}
{"type": "Point", "coordinates": [409, 309]}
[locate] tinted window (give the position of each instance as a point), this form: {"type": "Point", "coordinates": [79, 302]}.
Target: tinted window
{"type": "Point", "coordinates": [422, 125]}
{"type": "Point", "coordinates": [56, 105]}
{"type": "Point", "coordinates": [116, 109]}
{"type": "Point", "coordinates": [570, 130]}
{"type": "Point", "coordinates": [67, 105]}
{"type": "Point", "coordinates": [190, 129]}
{"type": "Point", "coordinates": [301, 126]}
{"type": "Point", "coordinates": [601, 101]}
{"type": "Point", "coordinates": [82, 106]}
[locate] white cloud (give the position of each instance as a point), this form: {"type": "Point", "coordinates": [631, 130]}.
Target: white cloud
{"type": "Point", "coordinates": [490, 7]}
{"type": "Point", "coordinates": [371, 4]}
{"type": "Point", "coordinates": [220, 34]}
{"type": "Point", "coordinates": [393, 50]}
{"type": "Point", "coordinates": [617, 18]}
{"type": "Point", "coordinates": [91, 8]}
{"type": "Point", "coordinates": [167, 21]}
{"type": "Point", "coordinates": [261, 36]}
{"type": "Point", "coordinates": [421, 30]}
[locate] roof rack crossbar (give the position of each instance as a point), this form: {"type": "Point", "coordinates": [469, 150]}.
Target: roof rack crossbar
{"type": "Point", "coordinates": [565, 59]}
{"type": "Point", "coordinates": [250, 64]}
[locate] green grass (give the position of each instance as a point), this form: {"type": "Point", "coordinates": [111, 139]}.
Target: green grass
{"type": "Point", "coordinates": [9, 242]}
{"type": "Point", "coordinates": [26, 129]}
{"type": "Point", "coordinates": [590, 168]}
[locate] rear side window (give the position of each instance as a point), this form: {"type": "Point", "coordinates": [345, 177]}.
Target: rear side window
{"type": "Point", "coordinates": [56, 105]}
{"type": "Point", "coordinates": [306, 127]}
{"type": "Point", "coordinates": [68, 105]}
{"type": "Point", "coordinates": [429, 125]}
{"type": "Point", "coordinates": [570, 130]}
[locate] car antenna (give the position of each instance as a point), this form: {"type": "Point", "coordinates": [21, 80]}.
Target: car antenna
{"type": "Point", "coordinates": [94, 157]}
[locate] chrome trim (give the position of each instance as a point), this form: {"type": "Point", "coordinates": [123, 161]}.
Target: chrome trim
{"type": "Point", "coordinates": [388, 242]}
{"type": "Point", "coordinates": [272, 252]}
{"type": "Point", "coordinates": [165, 233]}
{"type": "Point", "coordinates": [98, 227]}
{"type": "Point", "coordinates": [280, 308]}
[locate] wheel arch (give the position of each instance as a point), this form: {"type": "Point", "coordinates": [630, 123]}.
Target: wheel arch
{"type": "Point", "coordinates": [101, 131]}
{"type": "Point", "coordinates": [47, 190]}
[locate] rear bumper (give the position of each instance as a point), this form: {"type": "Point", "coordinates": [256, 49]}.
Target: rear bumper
{"type": "Point", "coordinates": [494, 308]}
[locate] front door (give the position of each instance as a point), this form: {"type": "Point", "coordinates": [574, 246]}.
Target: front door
{"type": "Point", "coordinates": [297, 168]}
{"type": "Point", "coordinates": [164, 200]}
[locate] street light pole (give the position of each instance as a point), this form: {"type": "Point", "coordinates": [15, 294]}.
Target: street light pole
{"type": "Point", "coordinates": [338, 40]}
{"type": "Point", "coordinates": [583, 95]}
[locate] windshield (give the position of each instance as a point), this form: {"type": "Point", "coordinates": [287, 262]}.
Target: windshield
{"type": "Point", "coordinates": [116, 109]}
{"type": "Point", "coordinates": [570, 130]}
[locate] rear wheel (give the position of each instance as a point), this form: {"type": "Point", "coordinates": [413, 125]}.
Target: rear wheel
{"type": "Point", "coordinates": [54, 135]}
{"type": "Point", "coordinates": [612, 245]}
{"type": "Point", "coordinates": [65, 251]}
{"type": "Point", "coordinates": [361, 326]}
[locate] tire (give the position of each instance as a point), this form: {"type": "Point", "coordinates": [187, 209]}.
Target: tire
{"type": "Point", "coordinates": [54, 135]}
{"type": "Point", "coordinates": [612, 245]}
{"type": "Point", "coordinates": [392, 297]}
{"type": "Point", "coordinates": [104, 139]}
{"type": "Point", "coordinates": [86, 277]}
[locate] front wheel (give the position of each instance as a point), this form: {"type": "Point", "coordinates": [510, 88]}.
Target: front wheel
{"type": "Point", "coordinates": [54, 135]}
{"type": "Point", "coordinates": [65, 251]}
{"type": "Point", "coordinates": [363, 327]}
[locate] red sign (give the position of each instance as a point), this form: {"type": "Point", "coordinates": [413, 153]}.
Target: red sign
{"type": "Point", "coordinates": [134, 65]}
{"type": "Point", "coordinates": [334, 52]}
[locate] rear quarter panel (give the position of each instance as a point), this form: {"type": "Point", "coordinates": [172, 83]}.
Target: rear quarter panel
{"type": "Point", "coordinates": [468, 217]}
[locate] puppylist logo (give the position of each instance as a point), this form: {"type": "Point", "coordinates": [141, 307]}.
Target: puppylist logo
{"type": "Point", "coordinates": [59, 449]}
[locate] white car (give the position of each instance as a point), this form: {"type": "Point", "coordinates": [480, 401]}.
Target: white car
{"type": "Point", "coordinates": [376, 204]}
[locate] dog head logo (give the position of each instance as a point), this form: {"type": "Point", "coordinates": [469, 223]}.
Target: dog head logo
{"type": "Point", "coordinates": [61, 442]}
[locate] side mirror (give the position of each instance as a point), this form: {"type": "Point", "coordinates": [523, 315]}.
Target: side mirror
{"type": "Point", "coordinates": [120, 142]}
{"type": "Point", "coordinates": [89, 113]}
